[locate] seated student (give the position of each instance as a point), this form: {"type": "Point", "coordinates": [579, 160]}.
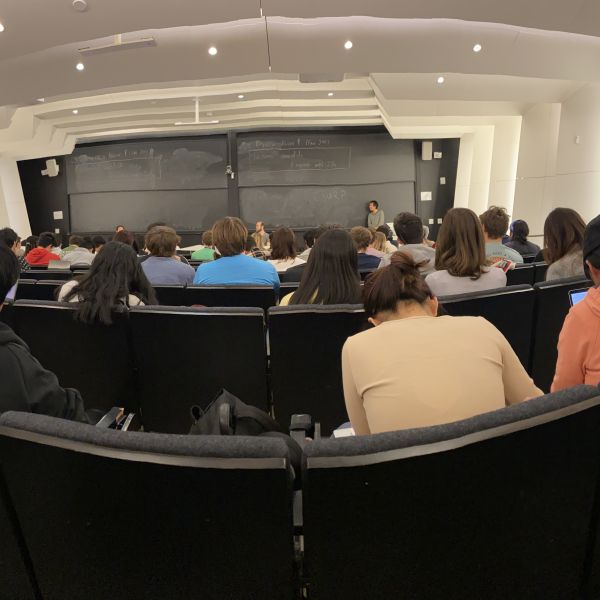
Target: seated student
{"type": "Point", "coordinates": [331, 274]}
{"type": "Point", "coordinates": [426, 239]}
{"type": "Point", "coordinates": [99, 243]}
{"type": "Point", "coordinates": [163, 266]}
{"type": "Point", "coordinates": [579, 341]}
{"type": "Point", "coordinates": [127, 237]}
{"type": "Point", "coordinates": [42, 254]}
{"type": "Point", "coordinates": [75, 253]}
{"type": "Point", "coordinates": [460, 257]}
{"type": "Point", "coordinates": [362, 239]}
{"type": "Point", "coordinates": [283, 251]}
{"type": "Point", "coordinates": [309, 239]}
{"type": "Point", "coordinates": [24, 384]}
{"type": "Point", "coordinates": [377, 245]}
{"type": "Point", "coordinates": [409, 229]}
{"type": "Point", "coordinates": [519, 230]}
{"type": "Point", "coordinates": [294, 274]}
{"type": "Point", "coordinates": [251, 249]}
{"type": "Point", "coordinates": [12, 241]}
{"type": "Point", "coordinates": [114, 279]}
{"type": "Point", "coordinates": [495, 222]}
{"type": "Point", "coordinates": [434, 369]}
{"type": "Point", "coordinates": [563, 239]}
{"type": "Point", "coordinates": [207, 253]}
{"type": "Point", "coordinates": [234, 267]}
{"type": "Point", "coordinates": [390, 245]}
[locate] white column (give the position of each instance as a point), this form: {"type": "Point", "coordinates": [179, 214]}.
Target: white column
{"type": "Point", "coordinates": [13, 212]}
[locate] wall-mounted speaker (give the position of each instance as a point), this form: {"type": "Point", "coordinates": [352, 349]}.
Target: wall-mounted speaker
{"type": "Point", "coordinates": [52, 168]}
{"type": "Point", "coordinates": [427, 150]}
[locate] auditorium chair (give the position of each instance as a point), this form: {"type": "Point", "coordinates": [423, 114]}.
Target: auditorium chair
{"type": "Point", "coordinates": [186, 355]}
{"type": "Point", "coordinates": [510, 309]}
{"type": "Point", "coordinates": [260, 296]}
{"type": "Point", "coordinates": [40, 273]}
{"type": "Point", "coordinates": [95, 359]}
{"type": "Point", "coordinates": [529, 258]}
{"type": "Point", "coordinates": [170, 295]}
{"type": "Point", "coordinates": [521, 275]}
{"type": "Point", "coordinates": [540, 271]}
{"type": "Point", "coordinates": [287, 288]}
{"type": "Point", "coordinates": [25, 289]}
{"type": "Point", "coordinates": [7, 313]}
{"type": "Point", "coordinates": [38, 290]}
{"type": "Point", "coordinates": [120, 515]}
{"type": "Point", "coordinates": [494, 507]}
{"type": "Point", "coordinates": [551, 307]}
{"type": "Point", "coordinates": [306, 368]}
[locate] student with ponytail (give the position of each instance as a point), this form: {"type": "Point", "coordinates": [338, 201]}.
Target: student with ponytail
{"type": "Point", "coordinates": [435, 369]}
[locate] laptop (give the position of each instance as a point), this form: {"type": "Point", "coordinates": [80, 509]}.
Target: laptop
{"type": "Point", "coordinates": [576, 296]}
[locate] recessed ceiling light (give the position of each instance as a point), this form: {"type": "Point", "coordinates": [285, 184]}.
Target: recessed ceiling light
{"type": "Point", "coordinates": [1, 28]}
{"type": "Point", "coordinates": [41, 99]}
{"type": "Point", "coordinates": [477, 48]}
{"type": "Point", "coordinates": [80, 66]}
{"type": "Point", "coordinates": [330, 94]}
{"type": "Point", "coordinates": [441, 79]}
{"type": "Point", "coordinates": [241, 96]}
{"type": "Point", "coordinates": [348, 45]}
{"type": "Point", "coordinates": [75, 111]}
{"type": "Point", "coordinates": [212, 51]}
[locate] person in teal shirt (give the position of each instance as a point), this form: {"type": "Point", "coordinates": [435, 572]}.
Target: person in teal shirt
{"type": "Point", "coordinates": [234, 267]}
{"type": "Point", "coordinates": [495, 222]}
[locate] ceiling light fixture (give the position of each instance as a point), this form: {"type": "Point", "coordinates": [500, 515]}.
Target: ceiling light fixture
{"type": "Point", "coordinates": [241, 96]}
{"type": "Point", "coordinates": [441, 79]}
{"type": "Point", "coordinates": [212, 51]}
{"type": "Point", "coordinates": [75, 111]}
{"type": "Point", "coordinates": [477, 48]}
{"type": "Point", "coordinates": [41, 99]}
{"type": "Point", "coordinates": [1, 28]}
{"type": "Point", "coordinates": [330, 94]}
{"type": "Point", "coordinates": [80, 66]}
{"type": "Point", "coordinates": [348, 45]}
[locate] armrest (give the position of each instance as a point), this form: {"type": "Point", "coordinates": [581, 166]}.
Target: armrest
{"type": "Point", "coordinates": [302, 427]}
{"type": "Point", "coordinates": [110, 419]}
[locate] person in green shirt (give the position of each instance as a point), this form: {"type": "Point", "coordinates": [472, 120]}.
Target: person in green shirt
{"type": "Point", "coordinates": [207, 253]}
{"type": "Point", "coordinates": [376, 218]}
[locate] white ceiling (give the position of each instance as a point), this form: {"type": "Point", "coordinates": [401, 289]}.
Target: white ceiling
{"type": "Point", "coordinates": [534, 51]}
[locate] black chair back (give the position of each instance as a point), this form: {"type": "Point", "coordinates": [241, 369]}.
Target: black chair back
{"type": "Point", "coordinates": [521, 275]}
{"type": "Point", "coordinates": [239, 295]}
{"type": "Point", "coordinates": [287, 288]}
{"type": "Point", "coordinates": [108, 514]}
{"type": "Point", "coordinates": [510, 309]}
{"type": "Point", "coordinates": [306, 367]}
{"type": "Point", "coordinates": [529, 258]}
{"type": "Point", "coordinates": [186, 355]}
{"type": "Point", "coordinates": [26, 289]}
{"type": "Point", "coordinates": [96, 359]}
{"type": "Point", "coordinates": [494, 507]}
{"type": "Point", "coordinates": [540, 271]}
{"type": "Point", "coordinates": [55, 274]}
{"type": "Point", "coordinates": [170, 295]}
{"type": "Point", "coordinates": [551, 307]}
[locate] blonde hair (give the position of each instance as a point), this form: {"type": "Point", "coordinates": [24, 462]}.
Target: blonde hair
{"type": "Point", "coordinates": [379, 241]}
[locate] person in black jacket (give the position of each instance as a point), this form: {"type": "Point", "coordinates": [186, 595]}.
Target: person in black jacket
{"type": "Point", "coordinates": [24, 384]}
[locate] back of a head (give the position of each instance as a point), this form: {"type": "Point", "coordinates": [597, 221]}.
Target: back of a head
{"type": "Point", "coordinates": [379, 241]}
{"type": "Point", "coordinates": [283, 244]}
{"type": "Point", "coordinates": [400, 281]}
{"type": "Point", "coordinates": [519, 231]}
{"type": "Point", "coordinates": [161, 241]}
{"type": "Point", "coordinates": [207, 238]}
{"type": "Point", "coordinates": [309, 237]}
{"type": "Point", "coordinates": [361, 237]}
{"type": "Point", "coordinates": [409, 228]}
{"type": "Point", "coordinates": [98, 241]}
{"type": "Point", "coordinates": [87, 244]}
{"type": "Point", "coordinates": [250, 243]}
{"type": "Point", "coordinates": [229, 236]}
{"type": "Point", "coordinates": [460, 247]}
{"type": "Point", "coordinates": [46, 239]}
{"type": "Point", "coordinates": [113, 275]}
{"type": "Point", "coordinates": [9, 271]}
{"type": "Point", "coordinates": [563, 233]}
{"type": "Point", "coordinates": [9, 237]}
{"type": "Point", "coordinates": [591, 243]}
{"type": "Point", "coordinates": [385, 229]}
{"type": "Point", "coordinates": [75, 240]}
{"type": "Point", "coordinates": [331, 273]}
{"type": "Point", "coordinates": [156, 224]}
{"type": "Point", "coordinates": [495, 221]}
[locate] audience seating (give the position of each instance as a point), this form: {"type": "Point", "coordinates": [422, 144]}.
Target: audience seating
{"type": "Point", "coordinates": [288, 288]}
{"type": "Point", "coordinates": [32, 289]}
{"type": "Point", "coordinates": [510, 309]}
{"type": "Point", "coordinates": [186, 355]}
{"type": "Point", "coordinates": [306, 370]}
{"type": "Point", "coordinates": [96, 360]}
{"type": "Point", "coordinates": [540, 271]}
{"type": "Point", "coordinates": [170, 295]}
{"type": "Point", "coordinates": [529, 258]}
{"type": "Point", "coordinates": [107, 514]}
{"type": "Point", "coordinates": [57, 275]}
{"type": "Point", "coordinates": [521, 275]}
{"type": "Point", "coordinates": [494, 507]}
{"type": "Point", "coordinates": [551, 308]}
{"type": "Point", "coordinates": [239, 295]}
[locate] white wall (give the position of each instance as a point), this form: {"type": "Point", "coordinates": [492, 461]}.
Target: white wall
{"type": "Point", "coordinates": [12, 204]}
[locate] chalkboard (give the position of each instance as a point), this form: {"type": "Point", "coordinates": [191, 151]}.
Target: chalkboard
{"type": "Point", "coordinates": [187, 164]}
{"type": "Point", "coordinates": [189, 210]}
{"type": "Point", "coordinates": [323, 159]}
{"type": "Point", "coordinates": [316, 205]}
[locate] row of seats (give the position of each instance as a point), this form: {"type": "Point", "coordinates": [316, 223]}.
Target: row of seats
{"type": "Point", "coordinates": [500, 506]}
{"type": "Point", "coordinates": [164, 359]}
{"type": "Point", "coordinates": [527, 274]}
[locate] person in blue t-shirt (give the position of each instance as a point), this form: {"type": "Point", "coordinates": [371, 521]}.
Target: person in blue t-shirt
{"type": "Point", "coordinates": [234, 267]}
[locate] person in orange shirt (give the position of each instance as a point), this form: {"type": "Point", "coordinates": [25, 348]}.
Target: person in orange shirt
{"type": "Point", "coordinates": [579, 341]}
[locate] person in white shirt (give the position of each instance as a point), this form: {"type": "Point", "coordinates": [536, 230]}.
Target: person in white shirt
{"type": "Point", "coordinates": [283, 250]}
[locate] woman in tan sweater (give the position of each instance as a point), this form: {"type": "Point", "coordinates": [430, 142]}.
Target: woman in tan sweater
{"type": "Point", "coordinates": [435, 369]}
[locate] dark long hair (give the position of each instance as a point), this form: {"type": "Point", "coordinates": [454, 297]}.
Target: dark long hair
{"type": "Point", "coordinates": [563, 233]}
{"type": "Point", "coordinates": [331, 274]}
{"type": "Point", "coordinates": [114, 275]}
{"type": "Point", "coordinates": [519, 231]}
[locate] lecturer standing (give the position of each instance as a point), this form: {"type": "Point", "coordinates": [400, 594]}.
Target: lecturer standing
{"type": "Point", "coordinates": [376, 218]}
